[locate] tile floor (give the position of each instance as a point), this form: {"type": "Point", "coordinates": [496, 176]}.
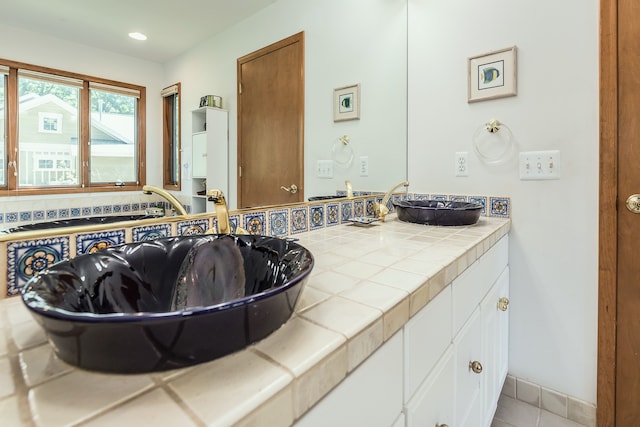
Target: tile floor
{"type": "Point", "coordinates": [515, 413]}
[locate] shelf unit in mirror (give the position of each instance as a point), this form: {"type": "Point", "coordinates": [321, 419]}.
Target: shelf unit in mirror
{"type": "Point", "coordinates": [210, 149]}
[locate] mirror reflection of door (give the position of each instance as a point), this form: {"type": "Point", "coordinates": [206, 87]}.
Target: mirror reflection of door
{"type": "Point", "coordinates": [271, 124]}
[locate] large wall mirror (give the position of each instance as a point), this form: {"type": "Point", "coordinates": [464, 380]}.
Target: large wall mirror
{"type": "Point", "coordinates": [360, 42]}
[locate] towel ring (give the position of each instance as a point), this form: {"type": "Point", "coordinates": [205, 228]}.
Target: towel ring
{"type": "Point", "coordinates": [492, 142]}
{"type": "Point", "coordinates": [342, 152]}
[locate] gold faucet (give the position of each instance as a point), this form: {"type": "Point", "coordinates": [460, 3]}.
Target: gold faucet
{"type": "Point", "coordinates": [380, 209]}
{"type": "Point", "coordinates": [349, 189]}
{"type": "Point", "coordinates": [148, 189]}
{"type": "Point", "coordinates": [217, 197]}
{"type": "Point", "coordinates": [222, 213]}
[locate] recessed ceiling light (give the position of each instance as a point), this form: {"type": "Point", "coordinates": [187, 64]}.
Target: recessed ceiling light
{"type": "Point", "coordinates": [137, 36]}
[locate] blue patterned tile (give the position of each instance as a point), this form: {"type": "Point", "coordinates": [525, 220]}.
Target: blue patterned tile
{"type": "Point", "coordinates": [117, 208]}
{"type": "Point", "coordinates": [254, 222]}
{"type": "Point", "coordinates": [316, 217]}
{"type": "Point", "coordinates": [126, 207]}
{"type": "Point", "coordinates": [481, 200]}
{"type": "Point", "coordinates": [234, 221]}
{"type": "Point", "coordinates": [1, 217]}
{"type": "Point", "coordinates": [97, 210]}
{"type": "Point", "coordinates": [192, 227]}
{"type": "Point", "coordinates": [371, 207]}
{"type": "Point", "coordinates": [455, 198]}
{"type": "Point", "coordinates": [358, 208]}
{"type": "Point", "coordinates": [420, 196]}
{"type": "Point", "coordinates": [86, 211]}
{"type": "Point", "coordinates": [25, 216]}
{"type": "Point", "coordinates": [346, 211]}
{"type": "Point", "coordinates": [299, 219]}
{"type": "Point", "coordinates": [63, 213]}
{"type": "Point", "coordinates": [12, 217]}
{"type": "Point", "coordinates": [135, 207]}
{"type": "Point", "coordinates": [333, 214]}
{"type": "Point", "coordinates": [499, 206]}
{"type": "Point", "coordinates": [150, 232]}
{"type": "Point", "coordinates": [75, 212]}
{"type": "Point", "coordinates": [107, 209]}
{"type": "Point", "coordinates": [279, 222]}
{"type": "Point", "coordinates": [52, 214]}
{"type": "Point", "coordinates": [438, 197]}
{"type": "Point", "coordinates": [27, 258]}
{"type": "Point", "coordinates": [38, 215]}
{"type": "Point", "coordinates": [91, 242]}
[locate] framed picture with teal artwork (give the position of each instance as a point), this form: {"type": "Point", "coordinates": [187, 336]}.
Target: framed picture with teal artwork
{"type": "Point", "coordinates": [346, 103]}
{"type": "Point", "coordinates": [492, 75]}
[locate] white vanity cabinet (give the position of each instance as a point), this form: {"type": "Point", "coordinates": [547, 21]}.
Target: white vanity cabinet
{"type": "Point", "coordinates": [444, 368]}
{"type": "Point", "coordinates": [463, 387]}
{"type": "Point", "coordinates": [209, 155]}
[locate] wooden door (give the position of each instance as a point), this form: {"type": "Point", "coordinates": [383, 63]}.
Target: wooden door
{"type": "Point", "coordinates": [271, 124]}
{"type": "Point", "coordinates": [619, 269]}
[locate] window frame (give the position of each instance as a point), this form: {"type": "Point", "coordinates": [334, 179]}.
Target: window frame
{"type": "Point", "coordinates": [171, 147]}
{"type": "Point", "coordinates": [12, 187]}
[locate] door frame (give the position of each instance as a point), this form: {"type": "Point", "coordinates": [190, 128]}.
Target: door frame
{"type": "Point", "coordinates": [608, 225]}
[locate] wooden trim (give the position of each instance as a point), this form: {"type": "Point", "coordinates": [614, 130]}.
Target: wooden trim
{"type": "Point", "coordinates": [167, 136]}
{"type": "Point", "coordinates": [607, 255]}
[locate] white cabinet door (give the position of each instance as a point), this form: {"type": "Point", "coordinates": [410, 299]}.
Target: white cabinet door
{"type": "Point", "coordinates": [495, 336]}
{"type": "Point", "coordinates": [432, 404]}
{"type": "Point", "coordinates": [199, 155]}
{"type": "Point", "coordinates": [467, 350]}
{"type": "Point", "coordinates": [370, 396]}
{"type": "Point", "coordinates": [427, 336]}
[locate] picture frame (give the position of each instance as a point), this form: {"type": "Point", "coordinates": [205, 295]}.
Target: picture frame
{"type": "Point", "coordinates": [346, 103]}
{"type": "Point", "coordinates": [492, 75]}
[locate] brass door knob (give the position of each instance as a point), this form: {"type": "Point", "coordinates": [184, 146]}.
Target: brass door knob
{"type": "Point", "coordinates": [503, 304]}
{"type": "Point", "coordinates": [475, 366]}
{"type": "Point", "coordinates": [293, 189]}
{"type": "Point", "coordinates": [633, 203]}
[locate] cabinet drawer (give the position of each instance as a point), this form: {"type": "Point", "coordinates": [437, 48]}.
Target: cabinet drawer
{"type": "Point", "coordinates": [427, 336]}
{"type": "Point", "coordinates": [472, 285]}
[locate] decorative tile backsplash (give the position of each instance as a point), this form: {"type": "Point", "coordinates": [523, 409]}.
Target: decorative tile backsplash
{"type": "Point", "coordinates": [25, 258]}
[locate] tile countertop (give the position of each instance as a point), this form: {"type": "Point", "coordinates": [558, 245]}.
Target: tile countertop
{"type": "Point", "coordinates": [366, 284]}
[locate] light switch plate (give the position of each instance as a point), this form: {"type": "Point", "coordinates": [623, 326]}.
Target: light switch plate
{"type": "Point", "coordinates": [540, 165]}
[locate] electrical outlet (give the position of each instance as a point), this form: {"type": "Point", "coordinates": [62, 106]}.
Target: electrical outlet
{"type": "Point", "coordinates": [324, 169]}
{"type": "Point", "coordinates": [364, 165]}
{"type": "Point", "coordinates": [462, 163]}
{"type": "Point", "coordinates": [535, 165]}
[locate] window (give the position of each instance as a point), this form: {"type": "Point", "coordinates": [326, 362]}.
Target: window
{"type": "Point", "coordinates": [44, 103]}
{"type": "Point", "coordinates": [49, 122]}
{"type": "Point", "coordinates": [113, 128]}
{"type": "Point", "coordinates": [72, 132]}
{"type": "Point", "coordinates": [3, 129]}
{"type": "Point", "coordinates": [171, 136]}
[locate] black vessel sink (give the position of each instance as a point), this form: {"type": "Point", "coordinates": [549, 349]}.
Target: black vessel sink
{"type": "Point", "coordinates": [438, 212]}
{"type": "Point", "coordinates": [167, 303]}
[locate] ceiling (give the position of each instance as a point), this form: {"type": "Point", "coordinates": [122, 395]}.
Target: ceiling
{"type": "Point", "coordinates": [172, 26]}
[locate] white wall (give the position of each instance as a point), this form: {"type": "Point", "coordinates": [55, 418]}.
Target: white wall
{"type": "Point", "coordinates": [553, 252]}
{"type": "Point", "coordinates": [359, 41]}
{"type": "Point", "coordinates": [42, 50]}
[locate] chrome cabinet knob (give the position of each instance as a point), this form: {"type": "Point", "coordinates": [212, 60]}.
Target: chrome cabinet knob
{"type": "Point", "coordinates": [503, 304]}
